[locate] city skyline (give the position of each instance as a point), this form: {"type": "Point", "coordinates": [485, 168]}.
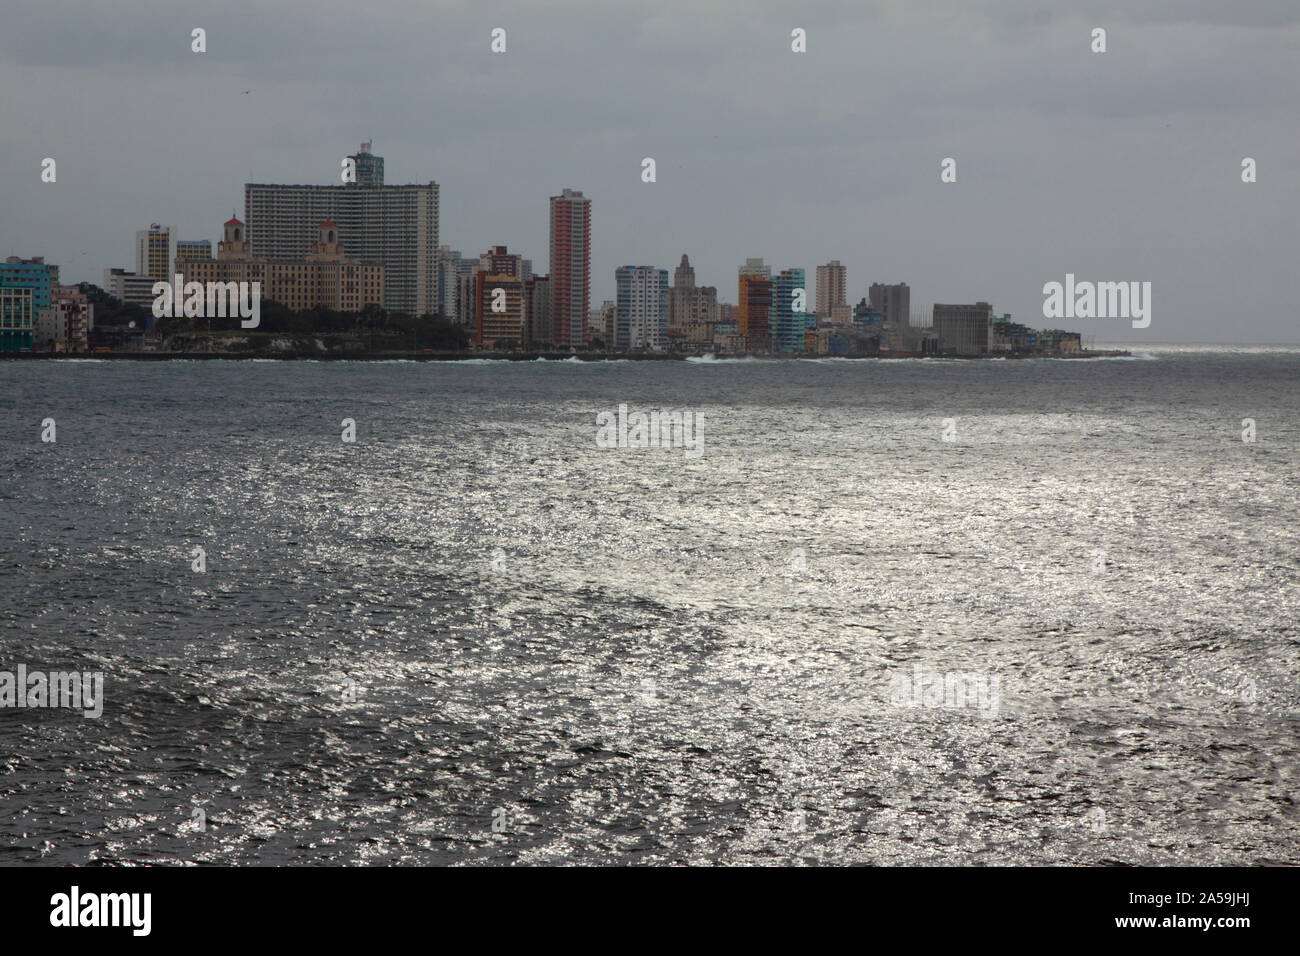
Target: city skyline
{"type": "Point", "coordinates": [1107, 165]}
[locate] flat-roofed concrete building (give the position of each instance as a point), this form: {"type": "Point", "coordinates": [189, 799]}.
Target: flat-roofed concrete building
{"type": "Point", "coordinates": [754, 311]}
{"type": "Point", "coordinates": [894, 302]}
{"type": "Point", "coordinates": [541, 315]}
{"type": "Point", "coordinates": [155, 252]}
{"type": "Point", "coordinates": [964, 329]}
{"type": "Point", "coordinates": [18, 319]}
{"type": "Point", "coordinates": [641, 320]}
{"type": "Point", "coordinates": [501, 316]}
{"type": "Point", "coordinates": [832, 280]}
{"type": "Point", "coordinates": [394, 226]}
{"type": "Point", "coordinates": [74, 317]}
{"type": "Point", "coordinates": [19, 312]}
{"type": "Point", "coordinates": [788, 317]}
{"type": "Point", "coordinates": [130, 287]}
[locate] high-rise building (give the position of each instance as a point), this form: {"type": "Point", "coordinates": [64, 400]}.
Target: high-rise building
{"type": "Point", "coordinates": [501, 312]}
{"type": "Point", "coordinates": [894, 302]}
{"type": "Point", "coordinates": [756, 267]}
{"type": "Point", "coordinates": [395, 226]}
{"type": "Point", "coordinates": [465, 314]}
{"type": "Point", "coordinates": [497, 261]}
{"type": "Point", "coordinates": [570, 266]}
{"type": "Point", "coordinates": [641, 319]}
{"type": "Point", "coordinates": [155, 252]}
{"type": "Point", "coordinates": [689, 304]}
{"type": "Point", "coordinates": [753, 311]}
{"type": "Point", "coordinates": [448, 267]}
{"type": "Point", "coordinates": [788, 318]}
{"type": "Point", "coordinates": [369, 167]}
{"type": "Point", "coordinates": [832, 280]}
{"type": "Point", "coordinates": [19, 311]}
{"type": "Point", "coordinates": [325, 277]}
{"type": "Point", "coordinates": [964, 329]}
{"type": "Point", "coordinates": [540, 331]}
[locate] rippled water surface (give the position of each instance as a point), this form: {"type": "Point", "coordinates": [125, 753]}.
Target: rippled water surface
{"type": "Point", "coordinates": [637, 656]}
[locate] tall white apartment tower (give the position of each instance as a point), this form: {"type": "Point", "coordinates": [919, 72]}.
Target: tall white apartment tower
{"type": "Point", "coordinates": [393, 225]}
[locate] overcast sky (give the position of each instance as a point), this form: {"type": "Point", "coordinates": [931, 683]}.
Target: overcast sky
{"type": "Point", "coordinates": [1117, 166]}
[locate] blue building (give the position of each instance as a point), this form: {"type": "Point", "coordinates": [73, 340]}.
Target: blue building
{"type": "Point", "coordinates": [789, 315]}
{"type": "Point", "coordinates": [866, 319]}
{"type": "Point", "coordinates": [18, 323]}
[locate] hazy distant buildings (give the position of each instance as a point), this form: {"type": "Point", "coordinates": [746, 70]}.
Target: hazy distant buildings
{"type": "Point", "coordinates": [570, 266]}
{"type": "Point", "coordinates": [688, 303]}
{"type": "Point", "coordinates": [867, 319]}
{"type": "Point", "coordinates": [832, 281]}
{"type": "Point", "coordinates": [894, 302]}
{"type": "Point", "coordinates": [602, 324]}
{"type": "Point", "coordinates": [325, 277]}
{"type": "Point", "coordinates": [692, 309]}
{"type": "Point", "coordinates": [641, 319]}
{"type": "Point", "coordinates": [395, 226]}
{"type": "Point", "coordinates": [964, 329]}
{"type": "Point", "coordinates": [155, 252]}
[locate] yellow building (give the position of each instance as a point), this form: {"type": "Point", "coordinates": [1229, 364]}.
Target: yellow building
{"type": "Point", "coordinates": [326, 278]}
{"type": "Point", "coordinates": [500, 307]}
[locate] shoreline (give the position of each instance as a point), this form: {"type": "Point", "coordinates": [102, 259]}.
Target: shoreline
{"type": "Point", "coordinates": [305, 356]}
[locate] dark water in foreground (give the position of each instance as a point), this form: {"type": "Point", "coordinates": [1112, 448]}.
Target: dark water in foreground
{"type": "Point", "coordinates": [634, 656]}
